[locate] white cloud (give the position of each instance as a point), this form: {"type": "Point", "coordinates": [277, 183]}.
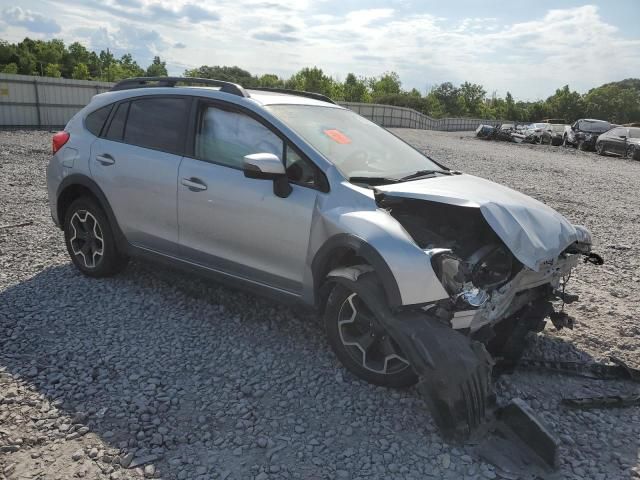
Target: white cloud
{"type": "Point", "coordinates": [32, 21]}
{"type": "Point", "coordinates": [530, 58]}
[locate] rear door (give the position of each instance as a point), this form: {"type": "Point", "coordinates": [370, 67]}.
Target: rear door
{"type": "Point", "coordinates": [237, 225]}
{"type": "Point", "coordinates": [136, 162]}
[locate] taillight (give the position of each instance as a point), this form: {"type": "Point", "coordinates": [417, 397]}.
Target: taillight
{"type": "Point", "coordinates": [58, 141]}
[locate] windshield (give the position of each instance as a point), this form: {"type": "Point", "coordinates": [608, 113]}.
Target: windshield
{"type": "Point", "coordinates": [356, 146]}
{"type": "Point", "coordinates": [634, 132]}
{"type": "Point", "coordinates": [539, 125]}
{"type": "Point", "coordinates": [594, 127]}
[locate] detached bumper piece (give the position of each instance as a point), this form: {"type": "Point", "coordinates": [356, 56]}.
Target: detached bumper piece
{"type": "Point", "coordinates": [455, 373]}
{"type": "Point", "coordinates": [455, 380]}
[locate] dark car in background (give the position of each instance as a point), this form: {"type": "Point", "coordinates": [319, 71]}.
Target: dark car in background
{"type": "Point", "coordinates": [553, 135]}
{"type": "Point", "coordinates": [584, 133]}
{"type": "Point", "coordinates": [623, 141]}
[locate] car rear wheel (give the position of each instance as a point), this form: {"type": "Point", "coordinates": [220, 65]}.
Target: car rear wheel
{"type": "Point", "coordinates": [361, 344]}
{"type": "Point", "coordinates": [90, 240]}
{"type": "Point", "coordinates": [582, 146]}
{"type": "Point", "coordinates": [633, 152]}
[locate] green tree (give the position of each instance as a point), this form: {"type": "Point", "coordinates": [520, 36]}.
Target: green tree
{"type": "Point", "coordinates": [312, 80]}
{"type": "Point", "coordinates": [129, 67]}
{"type": "Point", "coordinates": [566, 104]}
{"type": "Point", "coordinates": [52, 70]}
{"type": "Point", "coordinates": [158, 68]}
{"type": "Point", "coordinates": [449, 99]}
{"type": "Point", "coordinates": [80, 72]}
{"type": "Point", "coordinates": [354, 89]}
{"type": "Point", "coordinates": [387, 84]}
{"type": "Point", "coordinates": [473, 96]}
{"type": "Point", "coordinates": [270, 80]}
{"type": "Point", "coordinates": [228, 74]}
{"type": "Point", "coordinates": [614, 103]}
{"type": "Point", "coordinates": [10, 68]}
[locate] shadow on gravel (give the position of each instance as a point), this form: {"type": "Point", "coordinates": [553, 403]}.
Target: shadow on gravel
{"type": "Point", "coordinates": [198, 378]}
{"type": "Point", "coordinates": [203, 380]}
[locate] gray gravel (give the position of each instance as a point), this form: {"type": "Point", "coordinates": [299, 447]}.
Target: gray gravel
{"type": "Point", "coordinates": [156, 374]}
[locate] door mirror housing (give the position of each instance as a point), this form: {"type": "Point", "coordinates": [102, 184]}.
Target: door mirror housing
{"type": "Point", "coordinates": [267, 166]}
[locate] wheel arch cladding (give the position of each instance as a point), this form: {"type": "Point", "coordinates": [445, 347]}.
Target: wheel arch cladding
{"type": "Point", "coordinates": [76, 186]}
{"type": "Point", "coordinates": [341, 247]}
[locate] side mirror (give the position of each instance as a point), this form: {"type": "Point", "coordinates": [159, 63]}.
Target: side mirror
{"type": "Point", "coordinates": [624, 137]}
{"type": "Point", "coordinates": [267, 166]}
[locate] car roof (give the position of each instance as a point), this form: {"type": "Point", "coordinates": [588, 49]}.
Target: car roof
{"type": "Point", "coordinates": [211, 88]}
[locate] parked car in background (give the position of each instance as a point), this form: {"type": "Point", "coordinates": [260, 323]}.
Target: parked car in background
{"type": "Point", "coordinates": [584, 133]}
{"type": "Point", "coordinates": [533, 132]}
{"type": "Point", "coordinates": [623, 141]}
{"type": "Point", "coordinates": [554, 135]}
{"type": "Point", "coordinates": [552, 121]}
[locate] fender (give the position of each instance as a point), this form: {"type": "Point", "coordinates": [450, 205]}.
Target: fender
{"type": "Point", "coordinates": [321, 261]}
{"type": "Point", "coordinates": [80, 179]}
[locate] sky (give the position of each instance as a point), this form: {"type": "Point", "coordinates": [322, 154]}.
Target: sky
{"type": "Point", "coordinates": [527, 48]}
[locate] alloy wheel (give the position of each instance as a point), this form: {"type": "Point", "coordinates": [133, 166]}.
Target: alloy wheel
{"type": "Point", "coordinates": [86, 241]}
{"type": "Point", "coordinates": [367, 343]}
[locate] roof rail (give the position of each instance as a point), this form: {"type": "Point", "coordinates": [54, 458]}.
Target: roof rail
{"type": "Point", "coordinates": [300, 93]}
{"type": "Point", "coordinates": [144, 82]}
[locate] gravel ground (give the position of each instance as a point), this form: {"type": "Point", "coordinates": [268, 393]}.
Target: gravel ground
{"type": "Point", "coordinates": [157, 374]}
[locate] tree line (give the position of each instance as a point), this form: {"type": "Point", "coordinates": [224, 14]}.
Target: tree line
{"type": "Point", "coordinates": [617, 102]}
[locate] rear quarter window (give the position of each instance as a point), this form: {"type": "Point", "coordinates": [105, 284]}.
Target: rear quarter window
{"type": "Point", "coordinates": [95, 120]}
{"type": "Point", "coordinates": [157, 123]}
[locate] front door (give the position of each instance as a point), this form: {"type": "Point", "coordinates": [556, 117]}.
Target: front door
{"type": "Point", "coordinates": [235, 224]}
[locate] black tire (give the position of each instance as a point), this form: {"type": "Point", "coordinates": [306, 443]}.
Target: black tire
{"type": "Point", "coordinates": [633, 152]}
{"type": "Point", "coordinates": [565, 143]}
{"type": "Point", "coordinates": [400, 375]}
{"type": "Point", "coordinates": [600, 148]}
{"type": "Point", "coordinates": [90, 240]}
{"type": "Point", "coordinates": [582, 145]}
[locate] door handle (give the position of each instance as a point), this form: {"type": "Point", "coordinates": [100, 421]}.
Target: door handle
{"type": "Point", "coordinates": [105, 159]}
{"type": "Point", "coordinates": [194, 184]}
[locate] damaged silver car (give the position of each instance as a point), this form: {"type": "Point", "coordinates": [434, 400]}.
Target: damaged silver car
{"type": "Point", "coordinates": [421, 273]}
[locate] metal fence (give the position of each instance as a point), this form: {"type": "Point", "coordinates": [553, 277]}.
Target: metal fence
{"type": "Point", "coordinates": [46, 102]}
{"type": "Point", "coordinates": [390, 116]}
{"type": "Point", "coordinates": [43, 102]}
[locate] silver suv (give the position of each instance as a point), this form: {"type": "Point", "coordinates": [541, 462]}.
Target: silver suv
{"type": "Point", "coordinates": [414, 267]}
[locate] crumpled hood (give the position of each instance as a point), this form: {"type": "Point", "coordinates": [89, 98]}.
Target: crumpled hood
{"type": "Point", "coordinates": [535, 233]}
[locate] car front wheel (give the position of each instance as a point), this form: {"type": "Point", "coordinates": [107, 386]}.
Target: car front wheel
{"type": "Point", "coordinates": [90, 240]}
{"type": "Point", "coordinates": [600, 148]}
{"type": "Point", "coordinates": [633, 152]}
{"type": "Point", "coordinates": [360, 343]}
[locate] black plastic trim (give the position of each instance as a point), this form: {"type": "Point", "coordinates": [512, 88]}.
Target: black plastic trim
{"type": "Point", "coordinates": [150, 82]}
{"type": "Point", "coordinates": [362, 249]}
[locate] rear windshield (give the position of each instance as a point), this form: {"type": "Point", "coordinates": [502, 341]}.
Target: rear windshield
{"type": "Point", "coordinates": [634, 132]}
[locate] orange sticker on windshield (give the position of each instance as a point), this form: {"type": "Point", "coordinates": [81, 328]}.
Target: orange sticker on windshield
{"type": "Point", "coordinates": [337, 136]}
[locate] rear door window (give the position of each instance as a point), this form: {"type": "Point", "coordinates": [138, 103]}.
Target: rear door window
{"type": "Point", "coordinates": [95, 120]}
{"type": "Point", "coordinates": [158, 123]}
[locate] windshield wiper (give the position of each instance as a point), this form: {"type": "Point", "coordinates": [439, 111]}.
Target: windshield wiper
{"type": "Point", "coordinates": [373, 180]}
{"type": "Point", "coordinates": [424, 173]}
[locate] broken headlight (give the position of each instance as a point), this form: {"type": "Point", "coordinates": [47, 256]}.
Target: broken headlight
{"type": "Point", "coordinates": [470, 280]}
